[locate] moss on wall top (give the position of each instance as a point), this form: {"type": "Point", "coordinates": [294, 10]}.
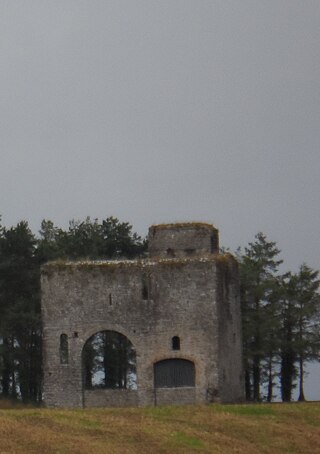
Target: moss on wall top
{"type": "Point", "coordinates": [184, 225]}
{"type": "Point", "coordinates": [64, 265]}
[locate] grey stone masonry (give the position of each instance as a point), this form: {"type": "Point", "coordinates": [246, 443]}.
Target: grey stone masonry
{"type": "Point", "coordinates": [182, 240]}
{"type": "Point", "coordinates": [192, 293]}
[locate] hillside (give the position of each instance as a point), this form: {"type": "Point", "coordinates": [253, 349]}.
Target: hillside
{"type": "Point", "coordinates": [225, 429]}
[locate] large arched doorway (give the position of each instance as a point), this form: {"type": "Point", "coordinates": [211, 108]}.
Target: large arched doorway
{"type": "Point", "coordinates": [109, 370]}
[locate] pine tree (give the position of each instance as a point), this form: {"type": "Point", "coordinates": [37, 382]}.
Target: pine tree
{"type": "Point", "coordinates": [304, 301]}
{"type": "Point", "coordinates": [258, 268]}
{"type": "Point", "coordinates": [20, 328]}
{"type": "Point", "coordinates": [21, 255]}
{"type": "Point", "coordinates": [287, 350]}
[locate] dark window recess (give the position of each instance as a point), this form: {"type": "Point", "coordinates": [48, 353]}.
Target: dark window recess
{"type": "Point", "coordinates": [64, 349]}
{"type": "Point", "coordinates": [174, 373]}
{"type": "Point", "coordinates": [145, 287]}
{"type": "Point", "coordinates": [214, 243]}
{"type": "Point", "coordinates": [110, 299]}
{"type": "Point", "coordinates": [189, 251]}
{"type": "Point", "coordinates": [170, 252]}
{"type": "Point", "coordinates": [75, 334]}
{"type": "Point", "coordinates": [175, 343]}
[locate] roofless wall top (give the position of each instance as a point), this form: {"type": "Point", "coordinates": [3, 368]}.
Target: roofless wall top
{"type": "Point", "coordinates": [183, 240]}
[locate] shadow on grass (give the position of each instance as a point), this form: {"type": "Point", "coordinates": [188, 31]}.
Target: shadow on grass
{"type": "Point", "coordinates": [15, 404]}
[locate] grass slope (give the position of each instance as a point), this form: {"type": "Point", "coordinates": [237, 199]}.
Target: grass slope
{"type": "Point", "coordinates": [225, 429]}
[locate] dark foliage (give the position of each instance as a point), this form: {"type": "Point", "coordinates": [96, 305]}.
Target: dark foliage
{"type": "Point", "coordinates": [280, 316]}
{"type": "Point", "coordinates": [21, 255]}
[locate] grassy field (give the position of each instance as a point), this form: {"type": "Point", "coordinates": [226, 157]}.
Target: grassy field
{"type": "Point", "coordinates": [261, 428]}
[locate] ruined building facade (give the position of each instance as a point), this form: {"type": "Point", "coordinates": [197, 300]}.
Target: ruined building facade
{"type": "Point", "coordinates": [178, 309]}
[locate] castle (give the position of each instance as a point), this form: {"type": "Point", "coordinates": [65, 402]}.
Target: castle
{"type": "Point", "coordinates": [160, 330]}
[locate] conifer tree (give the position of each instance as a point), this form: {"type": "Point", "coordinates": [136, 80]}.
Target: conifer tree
{"type": "Point", "coordinates": [301, 318]}
{"type": "Point", "coordinates": [20, 313]}
{"type": "Point", "coordinates": [21, 255]}
{"type": "Point", "coordinates": [258, 269]}
{"type": "Point", "coordinates": [288, 354]}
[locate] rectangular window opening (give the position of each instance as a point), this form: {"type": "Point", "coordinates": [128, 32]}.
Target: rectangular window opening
{"type": "Point", "coordinates": [145, 287]}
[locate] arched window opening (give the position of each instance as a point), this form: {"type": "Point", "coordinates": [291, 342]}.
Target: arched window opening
{"type": "Point", "coordinates": [64, 349]}
{"type": "Point", "coordinates": [175, 341]}
{"type": "Point", "coordinates": [109, 361]}
{"type": "Point", "coordinates": [174, 373]}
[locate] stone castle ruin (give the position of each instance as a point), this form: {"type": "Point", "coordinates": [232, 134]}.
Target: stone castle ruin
{"type": "Point", "coordinates": [161, 330]}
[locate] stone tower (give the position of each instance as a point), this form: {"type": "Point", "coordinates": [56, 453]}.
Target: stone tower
{"type": "Point", "coordinates": [177, 312]}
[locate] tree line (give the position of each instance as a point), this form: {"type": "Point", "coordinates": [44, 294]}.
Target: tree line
{"type": "Point", "coordinates": [280, 312]}
{"type": "Point", "coordinates": [21, 255]}
{"type": "Point", "coordinates": [280, 322]}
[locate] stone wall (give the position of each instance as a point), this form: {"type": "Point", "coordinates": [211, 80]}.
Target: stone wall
{"type": "Point", "coordinates": [231, 379]}
{"type": "Point", "coordinates": [195, 299]}
{"type": "Point", "coordinates": [110, 398]}
{"type": "Point", "coordinates": [175, 396]}
{"type": "Point", "coordinates": [183, 240]}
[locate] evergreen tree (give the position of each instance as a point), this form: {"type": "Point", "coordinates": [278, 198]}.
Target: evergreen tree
{"type": "Point", "coordinates": [258, 268]}
{"type": "Point", "coordinates": [300, 327]}
{"type": "Point", "coordinates": [288, 352]}
{"type": "Point", "coordinates": [270, 361]}
{"type": "Point", "coordinates": [50, 242]}
{"type": "Point", "coordinates": [308, 305]}
{"type": "Point", "coordinates": [20, 313]}
{"type": "Point", "coordinates": [110, 239]}
{"type": "Point", "coordinates": [21, 255]}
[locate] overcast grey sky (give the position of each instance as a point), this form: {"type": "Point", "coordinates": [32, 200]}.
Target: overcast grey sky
{"type": "Point", "coordinates": [164, 110]}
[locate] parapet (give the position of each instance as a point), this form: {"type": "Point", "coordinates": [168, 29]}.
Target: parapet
{"type": "Point", "coordinates": [183, 240]}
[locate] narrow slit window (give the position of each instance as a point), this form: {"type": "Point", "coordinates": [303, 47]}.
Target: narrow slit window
{"type": "Point", "coordinates": [214, 243]}
{"type": "Point", "coordinates": [145, 287]}
{"type": "Point", "coordinates": [110, 299]}
{"type": "Point", "coordinates": [64, 349]}
{"type": "Point", "coordinates": [175, 343]}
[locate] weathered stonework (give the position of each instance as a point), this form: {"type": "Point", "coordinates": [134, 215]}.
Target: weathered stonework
{"type": "Point", "coordinates": [193, 293]}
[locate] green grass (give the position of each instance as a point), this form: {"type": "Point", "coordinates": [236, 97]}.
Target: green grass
{"type": "Point", "coordinates": [182, 439]}
{"type": "Point", "coordinates": [221, 429]}
{"type": "Point", "coordinates": [248, 410]}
